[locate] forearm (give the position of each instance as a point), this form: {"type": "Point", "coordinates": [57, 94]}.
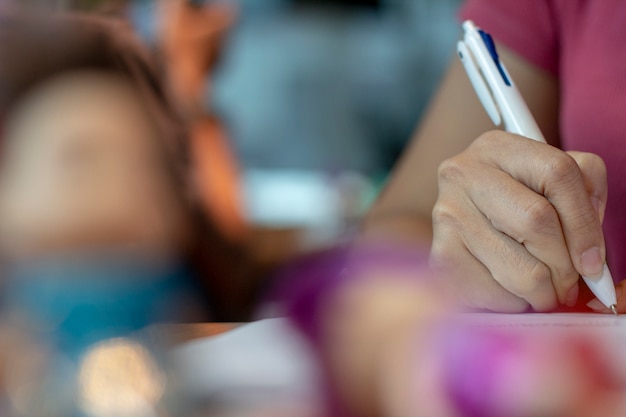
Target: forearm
{"type": "Point", "coordinates": [402, 227]}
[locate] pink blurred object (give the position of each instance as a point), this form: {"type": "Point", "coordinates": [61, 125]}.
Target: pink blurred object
{"type": "Point", "coordinates": [501, 372]}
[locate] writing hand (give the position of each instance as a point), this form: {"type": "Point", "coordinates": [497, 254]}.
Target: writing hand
{"type": "Point", "coordinates": [517, 221]}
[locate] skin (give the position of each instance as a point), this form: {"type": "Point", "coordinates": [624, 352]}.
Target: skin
{"type": "Point", "coordinates": [513, 222]}
{"type": "Point", "coordinates": [81, 171]}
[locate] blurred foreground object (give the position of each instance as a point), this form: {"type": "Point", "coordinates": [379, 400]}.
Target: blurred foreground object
{"type": "Point", "coordinates": [391, 344]}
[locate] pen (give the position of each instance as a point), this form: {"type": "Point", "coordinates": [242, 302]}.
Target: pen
{"type": "Point", "coordinates": [505, 105]}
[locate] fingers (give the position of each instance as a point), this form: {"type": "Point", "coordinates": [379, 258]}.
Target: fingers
{"type": "Point", "coordinates": [488, 258]}
{"type": "Point", "coordinates": [593, 171]}
{"type": "Point", "coordinates": [519, 220]}
{"type": "Point", "coordinates": [472, 283]}
{"type": "Point", "coordinates": [533, 224]}
{"type": "Point", "coordinates": [489, 268]}
{"type": "Point", "coordinates": [557, 176]}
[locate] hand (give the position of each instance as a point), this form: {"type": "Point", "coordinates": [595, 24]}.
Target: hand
{"type": "Point", "coordinates": [517, 221]}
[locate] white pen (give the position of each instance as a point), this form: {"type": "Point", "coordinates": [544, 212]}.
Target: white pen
{"type": "Point", "coordinates": [505, 105]}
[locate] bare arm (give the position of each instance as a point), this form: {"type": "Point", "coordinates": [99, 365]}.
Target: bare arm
{"type": "Point", "coordinates": [454, 119]}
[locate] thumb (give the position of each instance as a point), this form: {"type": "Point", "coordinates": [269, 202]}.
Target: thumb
{"type": "Point", "coordinates": [593, 171]}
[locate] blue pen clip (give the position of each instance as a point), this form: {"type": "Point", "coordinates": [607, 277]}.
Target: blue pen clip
{"type": "Point", "coordinates": [491, 47]}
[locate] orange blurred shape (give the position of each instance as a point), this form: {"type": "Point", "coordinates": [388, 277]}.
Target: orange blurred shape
{"type": "Point", "coordinates": [217, 177]}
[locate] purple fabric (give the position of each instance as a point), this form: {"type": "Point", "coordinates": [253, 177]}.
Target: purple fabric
{"type": "Point", "coordinates": [304, 286]}
{"type": "Point", "coordinates": [473, 358]}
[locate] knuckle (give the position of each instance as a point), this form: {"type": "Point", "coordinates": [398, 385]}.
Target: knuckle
{"type": "Point", "coordinates": [563, 169]}
{"type": "Point", "coordinates": [451, 170]}
{"type": "Point", "coordinates": [444, 215]}
{"type": "Point", "coordinates": [535, 278]}
{"type": "Point", "coordinates": [590, 162]}
{"type": "Point", "coordinates": [488, 138]}
{"type": "Point", "coordinates": [566, 278]}
{"type": "Point", "coordinates": [539, 216]}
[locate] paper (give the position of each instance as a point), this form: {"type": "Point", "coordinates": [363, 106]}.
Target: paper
{"type": "Point", "coordinates": [268, 362]}
{"type": "Point", "coordinates": [606, 331]}
{"type": "Point", "coordinates": [550, 320]}
{"type": "Point", "coordinates": [260, 363]}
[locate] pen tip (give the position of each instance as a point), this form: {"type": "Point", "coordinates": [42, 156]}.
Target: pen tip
{"type": "Point", "coordinates": [614, 309]}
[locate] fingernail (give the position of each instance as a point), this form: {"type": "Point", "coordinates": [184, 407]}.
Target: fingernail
{"type": "Point", "coordinates": [592, 262]}
{"type": "Point", "coordinates": [596, 305]}
{"type": "Point", "coordinates": [572, 296]}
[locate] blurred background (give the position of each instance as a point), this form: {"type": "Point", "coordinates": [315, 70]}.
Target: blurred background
{"type": "Point", "coordinates": [321, 94]}
{"type": "Point", "coordinates": [296, 112]}
{"type": "Point", "coordinates": [318, 99]}
{"type": "Point", "coordinates": [307, 106]}
{"type": "Point", "coordinates": [324, 85]}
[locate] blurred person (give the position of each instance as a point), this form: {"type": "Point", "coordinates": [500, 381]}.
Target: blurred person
{"type": "Point", "coordinates": [95, 170]}
{"type": "Point", "coordinates": [101, 231]}
{"type": "Point", "coordinates": [186, 38]}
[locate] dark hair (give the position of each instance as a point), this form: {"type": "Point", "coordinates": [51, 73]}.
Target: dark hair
{"type": "Point", "coordinates": [34, 48]}
{"type": "Point", "coordinates": [37, 47]}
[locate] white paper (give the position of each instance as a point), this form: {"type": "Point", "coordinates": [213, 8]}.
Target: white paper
{"type": "Point", "coordinates": [263, 362]}
{"type": "Point", "coordinates": [550, 320]}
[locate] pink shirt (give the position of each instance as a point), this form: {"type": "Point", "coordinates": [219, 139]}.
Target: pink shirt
{"type": "Point", "coordinates": [583, 43]}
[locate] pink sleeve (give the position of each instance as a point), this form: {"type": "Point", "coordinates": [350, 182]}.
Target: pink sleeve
{"type": "Point", "coordinates": [527, 27]}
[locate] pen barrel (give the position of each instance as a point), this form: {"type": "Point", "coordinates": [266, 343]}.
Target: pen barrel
{"type": "Point", "coordinates": [603, 288]}
{"type": "Point", "coordinates": [516, 115]}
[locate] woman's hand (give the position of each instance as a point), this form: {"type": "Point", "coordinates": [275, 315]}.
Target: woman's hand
{"type": "Point", "coordinates": [517, 221]}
